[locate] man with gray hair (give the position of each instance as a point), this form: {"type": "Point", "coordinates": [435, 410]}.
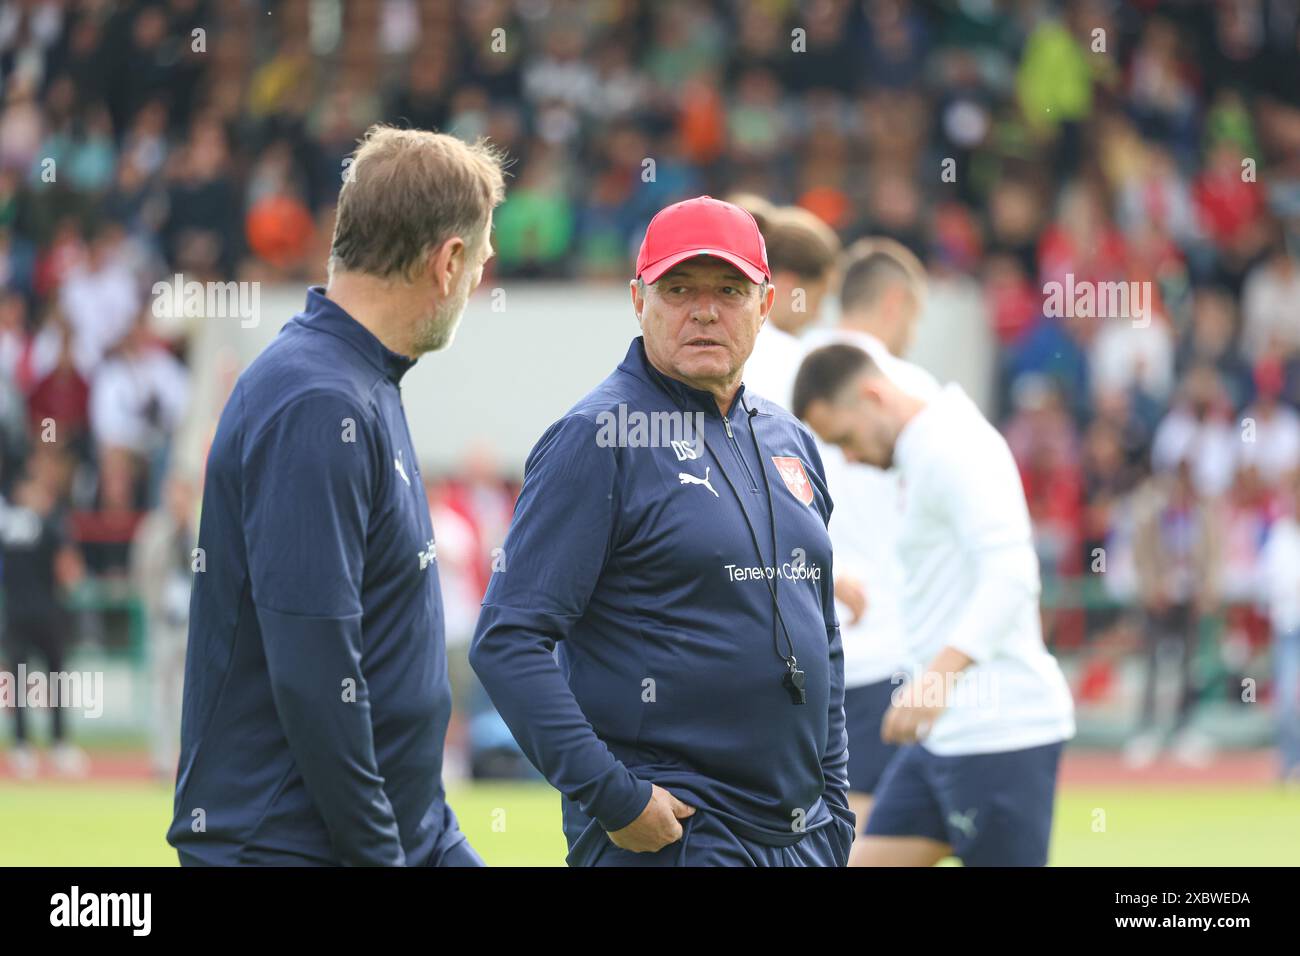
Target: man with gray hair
{"type": "Point", "coordinates": [693, 714]}
{"type": "Point", "coordinates": [316, 694]}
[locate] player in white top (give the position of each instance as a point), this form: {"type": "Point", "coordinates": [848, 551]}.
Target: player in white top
{"type": "Point", "coordinates": [877, 298]}
{"type": "Point", "coordinates": [882, 293]}
{"type": "Point", "coordinates": [985, 715]}
{"type": "Point", "coordinates": [802, 252]}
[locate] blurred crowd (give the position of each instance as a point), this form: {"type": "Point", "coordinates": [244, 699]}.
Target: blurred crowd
{"type": "Point", "coordinates": [1009, 144]}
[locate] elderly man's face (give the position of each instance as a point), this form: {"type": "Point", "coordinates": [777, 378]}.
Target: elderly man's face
{"type": "Point", "coordinates": [700, 320]}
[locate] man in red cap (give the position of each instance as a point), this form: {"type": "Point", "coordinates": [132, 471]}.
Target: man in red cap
{"type": "Point", "coordinates": [698, 244]}
{"type": "Point", "coordinates": [670, 538]}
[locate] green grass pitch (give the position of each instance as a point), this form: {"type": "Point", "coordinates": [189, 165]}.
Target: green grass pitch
{"type": "Point", "coordinates": [100, 824]}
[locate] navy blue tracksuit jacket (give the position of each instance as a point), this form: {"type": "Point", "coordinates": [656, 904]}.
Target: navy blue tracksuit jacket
{"type": "Point", "coordinates": [647, 580]}
{"type": "Point", "coordinates": [316, 696]}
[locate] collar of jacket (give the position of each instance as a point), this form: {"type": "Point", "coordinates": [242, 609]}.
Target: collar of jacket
{"type": "Point", "coordinates": [636, 364]}
{"type": "Point", "coordinates": [325, 315]}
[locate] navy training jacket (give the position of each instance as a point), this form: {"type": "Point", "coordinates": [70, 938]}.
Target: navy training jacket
{"type": "Point", "coordinates": [636, 561]}
{"type": "Point", "coordinates": [316, 697]}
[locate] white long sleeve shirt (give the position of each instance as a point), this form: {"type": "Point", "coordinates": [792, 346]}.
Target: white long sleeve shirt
{"type": "Point", "coordinates": [971, 582]}
{"type": "Point", "coordinates": [771, 368]}
{"type": "Point", "coordinates": [865, 525]}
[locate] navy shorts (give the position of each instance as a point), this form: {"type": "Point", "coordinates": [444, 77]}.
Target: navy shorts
{"type": "Point", "coordinates": [707, 841]}
{"type": "Point", "coordinates": [864, 712]}
{"type": "Point", "coordinates": [993, 809]}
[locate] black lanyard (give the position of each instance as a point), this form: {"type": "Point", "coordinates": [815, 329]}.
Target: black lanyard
{"type": "Point", "coordinates": [794, 680]}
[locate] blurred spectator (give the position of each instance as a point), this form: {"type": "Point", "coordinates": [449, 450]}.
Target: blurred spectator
{"type": "Point", "coordinates": [59, 396]}
{"type": "Point", "coordinates": [162, 570]}
{"type": "Point", "coordinates": [16, 261]}
{"type": "Point", "coordinates": [1212, 341]}
{"type": "Point", "coordinates": [1009, 297]}
{"type": "Point", "coordinates": [1269, 299]}
{"type": "Point", "coordinates": [1042, 439]}
{"type": "Point", "coordinates": [14, 344]}
{"type": "Point", "coordinates": [1280, 587]}
{"type": "Point", "coordinates": [1231, 210]}
{"type": "Point", "coordinates": [100, 297]}
{"type": "Point", "coordinates": [201, 230]}
{"type": "Point", "coordinates": [1162, 84]}
{"type": "Point", "coordinates": [534, 225]}
{"type": "Point", "coordinates": [471, 511]}
{"type": "Point", "coordinates": [279, 225]}
{"type": "Point", "coordinates": [421, 102]}
{"type": "Point", "coordinates": [1178, 541]}
{"type": "Point", "coordinates": [460, 562]}
{"type": "Point", "coordinates": [105, 531]}
{"type": "Point", "coordinates": [145, 147]}
{"type": "Point", "coordinates": [1054, 81]}
{"type": "Point", "coordinates": [137, 399]}
{"type": "Point", "coordinates": [1015, 211]}
{"type": "Point", "coordinates": [1199, 430]}
{"type": "Point", "coordinates": [65, 252]}
{"type": "Point", "coordinates": [1128, 356]}
{"type": "Point", "coordinates": [1246, 513]}
{"type": "Point", "coordinates": [21, 124]}
{"type": "Point", "coordinates": [1159, 195]}
{"type": "Point", "coordinates": [1082, 241]}
{"type": "Point", "coordinates": [39, 562]}
{"type": "Point", "coordinates": [1109, 478]}
{"type": "Point", "coordinates": [28, 33]}
{"type": "Point", "coordinates": [1270, 429]}
{"type": "Point", "coordinates": [1134, 421]}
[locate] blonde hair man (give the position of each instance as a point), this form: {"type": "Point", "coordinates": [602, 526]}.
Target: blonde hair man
{"type": "Point", "coordinates": [316, 694]}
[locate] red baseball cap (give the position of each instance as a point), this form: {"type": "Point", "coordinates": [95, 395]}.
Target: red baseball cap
{"type": "Point", "coordinates": [702, 226]}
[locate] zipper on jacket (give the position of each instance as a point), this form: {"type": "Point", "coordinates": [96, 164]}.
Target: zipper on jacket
{"type": "Point", "coordinates": [735, 447]}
